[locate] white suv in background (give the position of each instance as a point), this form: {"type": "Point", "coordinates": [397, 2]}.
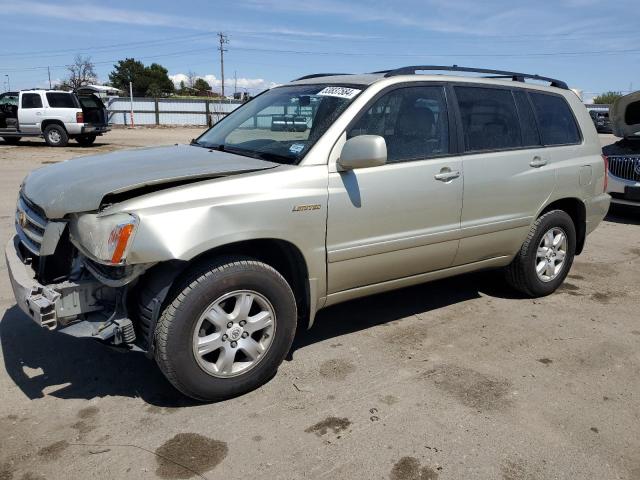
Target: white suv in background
{"type": "Point", "coordinates": [55, 115]}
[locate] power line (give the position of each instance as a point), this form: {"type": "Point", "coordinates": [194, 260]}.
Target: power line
{"type": "Point", "coordinates": [224, 40]}
{"type": "Point", "coordinates": [424, 55]}
{"type": "Point", "coordinates": [89, 50]}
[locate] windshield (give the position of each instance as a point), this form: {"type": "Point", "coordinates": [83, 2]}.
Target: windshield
{"type": "Point", "coordinates": [280, 125]}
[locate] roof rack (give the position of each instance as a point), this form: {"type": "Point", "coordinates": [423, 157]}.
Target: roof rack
{"type": "Point", "coordinates": [316, 75]}
{"type": "Point", "coordinates": [515, 76]}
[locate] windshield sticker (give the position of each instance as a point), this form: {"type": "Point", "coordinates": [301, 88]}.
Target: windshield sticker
{"type": "Point", "coordinates": [296, 148]}
{"type": "Point", "coordinates": [340, 92]}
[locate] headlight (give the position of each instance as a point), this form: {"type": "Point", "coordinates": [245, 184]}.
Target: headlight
{"type": "Point", "coordinates": [106, 239]}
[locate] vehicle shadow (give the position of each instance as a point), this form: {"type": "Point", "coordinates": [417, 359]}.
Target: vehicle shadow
{"type": "Point", "coordinates": [38, 360]}
{"type": "Point", "coordinates": [39, 142]}
{"type": "Point", "coordinates": [625, 214]}
{"type": "Point", "coordinates": [42, 362]}
{"type": "Point", "coordinates": [368, 312]}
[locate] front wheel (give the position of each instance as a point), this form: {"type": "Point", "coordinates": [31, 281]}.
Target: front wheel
{"type": "Point", "coordinates": [56, 136]}
{"type": "Point", "coordinates": [86, 140]}
{"type": "Point", "coordinates": [546, 256]}
{"type": "Point", "coordinates": [227, 329]}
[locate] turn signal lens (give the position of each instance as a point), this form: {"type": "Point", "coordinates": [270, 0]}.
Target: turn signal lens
{"type": "Point", "coordinates": [118, 240]}
{"type": "Point", "coordinates": [606, 172]}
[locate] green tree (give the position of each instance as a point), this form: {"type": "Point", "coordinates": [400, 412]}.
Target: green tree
{"type": "Point", "coordinates": [158, 77]}
{"type": "Point", "coordinates": [607, 98]}
{"type": "Point", "coordinates": [201, 86]}
{"type": "Point", "coordinates": [152, 80]}
{"type": "Point", "coordinates": [129, 70]}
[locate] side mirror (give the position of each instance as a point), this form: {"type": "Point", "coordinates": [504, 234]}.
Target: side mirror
{"type": "Point", "coordinates": [363, 151]}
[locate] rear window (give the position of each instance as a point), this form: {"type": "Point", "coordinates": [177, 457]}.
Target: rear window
{"type": "Point", "coordinates": [31, 100]}
{"type": "Point", "coordinates": [62, 100]}
{"type": "Point", "coordinates": [555, 119]}
{"type": "Point", "coordinates": [632, 114]}
{"type": "Point", "coordinates": [489, 119]}
{"type": "Point", "coordinates": [90, 101]}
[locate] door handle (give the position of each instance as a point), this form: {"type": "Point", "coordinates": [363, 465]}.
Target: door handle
{"type": "Point", "coordinates": [446, 175]}
{"type": "Point", "coordinates": [38, 113]}
{"type": "Point", "coordinates": [537, 162]}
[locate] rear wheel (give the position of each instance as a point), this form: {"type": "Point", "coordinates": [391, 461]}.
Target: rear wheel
{"type": "Point", "coordinates": [545, 258]}
{"type": "Point", "coordinates": [86, 140]}
{"type": "Point", "coordinates": [56, 136]}
{"type": "Point", "coordinates": [227, 329]}
{"type": "Point", "coordinates": [11, 140]}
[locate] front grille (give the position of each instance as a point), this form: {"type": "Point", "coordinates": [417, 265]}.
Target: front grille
{"type": "Point", "coordinates": [625, 166]}
{"type": "Point", "coordinates": [30, 225]}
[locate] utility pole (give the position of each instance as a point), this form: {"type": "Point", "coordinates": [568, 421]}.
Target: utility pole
{"type": "Point", "coordinates": [8, 83]}
{"type": "Point", "coordinates": [49, 73]}
{"type": "Point", "coordinates": [235, 83]}
{"type": "Point", "coordinates": [131, 102]}
{"type": "Point", "coordinates": [223, 39]}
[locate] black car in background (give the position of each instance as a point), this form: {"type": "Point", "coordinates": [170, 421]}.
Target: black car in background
{"type": "Point", "coordinates": [601, 120]}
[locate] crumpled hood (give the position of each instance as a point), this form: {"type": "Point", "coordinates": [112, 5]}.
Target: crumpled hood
{"type": "Point", "coordinates": [80, 184]}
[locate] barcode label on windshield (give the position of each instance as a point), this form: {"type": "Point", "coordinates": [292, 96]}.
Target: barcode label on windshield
{"type": "Point", "coordinates": [341, 92]}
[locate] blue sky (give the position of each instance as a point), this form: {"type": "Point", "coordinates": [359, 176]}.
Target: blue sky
{"type": "Point", "coordinates": [593, 45]}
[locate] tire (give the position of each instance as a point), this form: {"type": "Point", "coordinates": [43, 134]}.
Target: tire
{"type": "Point", "coordinates": [198, 376]}
{"type": "Point", "coordinates": [86, 140]}
{"type": "Point", "coordinates": [522, 274]}
{"type": "Point", "coordinates": [11, 140]}
{"type": "Point", "coordinates": [56, 136]}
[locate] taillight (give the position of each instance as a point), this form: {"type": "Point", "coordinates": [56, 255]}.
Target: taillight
{"type": "Point", "coordinates": [606, 172]}
{"type": "Point", "coordinates": [79, 117]}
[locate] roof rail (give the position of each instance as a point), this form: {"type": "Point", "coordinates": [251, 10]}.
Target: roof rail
{"type": "Point", "coordinates": [515, 76]}
{"type": "Point", "coordinates": [316, 75]}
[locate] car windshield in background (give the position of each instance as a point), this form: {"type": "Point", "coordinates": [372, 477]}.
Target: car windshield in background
{"type": "Point", "coordinates": [282, 124]}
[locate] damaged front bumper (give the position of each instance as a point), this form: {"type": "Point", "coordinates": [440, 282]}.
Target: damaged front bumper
{"type": "Point", "coordinates": [77, 308]}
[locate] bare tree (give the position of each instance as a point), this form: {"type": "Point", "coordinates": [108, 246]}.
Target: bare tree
{"type": "Point", "coordinates": [191, 79]}
{"type": "Point", "coordinates": [81, 72]}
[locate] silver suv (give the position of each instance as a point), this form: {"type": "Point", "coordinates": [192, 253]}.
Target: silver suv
{"type": "Point", "coordinates": [209, 256]}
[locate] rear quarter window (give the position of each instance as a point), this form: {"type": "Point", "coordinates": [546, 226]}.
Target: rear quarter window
{"type": "Point", "coordinates": [555, 120]}
{"type": "Point", "coordinates": [62, 100]}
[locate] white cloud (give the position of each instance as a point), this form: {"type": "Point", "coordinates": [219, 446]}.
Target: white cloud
{"type": "Point", "coordinates": [250, 84]}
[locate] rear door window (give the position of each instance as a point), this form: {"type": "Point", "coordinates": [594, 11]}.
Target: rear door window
{"type": "Point", "coordinates": [489, 119]}
{"type": "Point", "coordinates": [62, 100]}
{"type": "Point", "coordinates": [31, 100]}
{"type": "Point", "coordinates": [555, 119]}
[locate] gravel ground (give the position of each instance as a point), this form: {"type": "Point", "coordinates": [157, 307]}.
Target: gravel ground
{"type": "Point", "coordinates": [457, 379]}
